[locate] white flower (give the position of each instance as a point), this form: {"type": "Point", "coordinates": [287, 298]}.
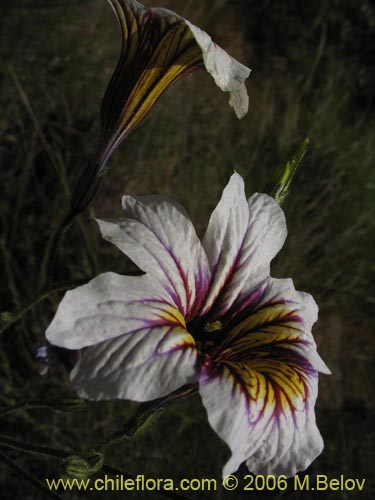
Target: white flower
{"type": "Point", "coordinates": [158, 48]}
{"type": "Point", "coordinates": [205, 312]}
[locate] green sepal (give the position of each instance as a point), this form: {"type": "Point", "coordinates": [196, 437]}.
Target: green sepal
{"type": "Point", "coordinates": [279, 184]}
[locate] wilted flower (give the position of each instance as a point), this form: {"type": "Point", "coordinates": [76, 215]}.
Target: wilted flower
{"type": "Point", "coordinates": [204, 312]}
{"type": "Point", "coordinates": [158, 48]}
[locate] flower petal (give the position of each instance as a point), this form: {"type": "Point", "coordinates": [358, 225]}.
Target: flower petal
{"type": "Point", "coordinates": [273, 313]}
{"type": "Point", "coordinates": [108, 306]}
{"type": "Point", "coordinates": [225, 233]}
{"type": "Point", "coordinates": [239, 101]}
{"type": "Point", "coordinates": [241, 240]}
{"type": "Point", "coordinates": [265, 371]}
{"type": "Point", "coordinates": [158, 48]}
{"type": "Point", "coordinates": [296, 443]}
{"type": "Point", "coordinates": [158, 236]}
{"type": "Point", "coordinates": [141, 366]}
{"type": "Point", "coordinates": [254, 414]}
{"type": "Point", "coordinates": [303, 310]}
{"type": "Point", "coordinates": [228, 73]}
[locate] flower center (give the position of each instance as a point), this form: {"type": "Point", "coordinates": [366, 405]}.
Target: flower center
{"type": "Point", "coordinates": [206, 335]}
{"type": "Point", "coordinates": [213, 327]}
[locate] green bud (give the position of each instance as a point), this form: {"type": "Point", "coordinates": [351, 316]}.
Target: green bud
{"type": "Point", "coordinates": [7, 317]}
{"type": "Point", "coordinates": [82, 468]}
{"type": "Point", "coordinates": [278, 186]}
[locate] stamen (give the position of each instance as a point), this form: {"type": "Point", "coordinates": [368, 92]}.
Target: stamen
{"type": "Point", "coordinates": [213, 327]}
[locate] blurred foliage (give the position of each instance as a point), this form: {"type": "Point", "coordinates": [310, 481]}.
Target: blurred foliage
{"type": "Point", "coordinates": [311, 77]}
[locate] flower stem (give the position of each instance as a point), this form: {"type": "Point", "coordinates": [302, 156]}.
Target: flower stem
{"type": "Point", "coordinates": [49, 259]}
{"type": "Point", "coordinates": [67, 405]}
{"type": "Point", "coordinates": [145, 412]}
{"type": "Point", "coordinates": [8, 318]}
{"type": "Point", "coordinates": [34, 449]}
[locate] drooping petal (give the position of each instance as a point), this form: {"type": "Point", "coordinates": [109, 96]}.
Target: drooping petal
{"type": "Point", "coordinates": [159, 237]}
{"type": "Point", "coordinates": [259, 385]}
{"type": "Point", "coordinates": [228, 73]}
{"type": "Point", "coordinates": [241, 240]}
{"type": "Point", "coordinates": [239, 101]}
{"type": "Point", "coordinates": [107, 307]}
{"type": "Point", "coordinates": [141, 366]}
{"type": "Point", "coordinates": [158, 48]}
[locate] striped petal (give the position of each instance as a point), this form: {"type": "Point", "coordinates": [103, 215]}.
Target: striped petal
{"type": "Point", "coordinates": [259, 385]}
{"type": "Point", "coordinates": [274, 307]}
{"type": "Point", "coordinates": [158, 48]}
{"type": "Point", "coordinates": [142, 365]}
{"type": "Point", "coordinates": [109, 306]}
{"type": "Point", "coordinates": [294, 443]}
{"type": "Point", "coordinates": [241, 240]}
{"type": "Point", "coordinates": [134, 341]}
{"type": "Point", "coordinates": [255, 417]}
{"type": "Point", "coordinates": [159, 237]}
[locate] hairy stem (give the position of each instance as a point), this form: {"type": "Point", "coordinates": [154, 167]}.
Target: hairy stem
{"type": "Point", "coordinates": [57, 454]}
{"type": "Point", "coordinates": [145, 412]}
{"type": "Point", "coordinates": [8, 318]}
{"type": "Point", "coordinates": [67, 405]}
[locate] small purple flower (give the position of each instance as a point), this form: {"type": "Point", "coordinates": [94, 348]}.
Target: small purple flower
{"type": "Point", "coordinates": [45, 357]}
{"type": "Point", "coordinates": [48, 355]}
{"type": "Point", "coordinates": [208, 313]}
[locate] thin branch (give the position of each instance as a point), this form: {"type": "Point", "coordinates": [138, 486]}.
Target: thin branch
{"type": "Point", "coordinates": [49, 258]}
{"type": "Point", "coordinates": [67, 405]}
{"type": "Point", "coordinates": [8, 318]}
{"type": "Point", "coordinates": [44, 451]}
{"type": "Point", "coordinates": [145, 412]}
{"type": "Point", "coordinates": [29, 477]}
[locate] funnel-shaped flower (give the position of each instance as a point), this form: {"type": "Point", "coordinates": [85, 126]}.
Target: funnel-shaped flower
{"type": "Point", "coordinates": [158, 48]}
{"type": "Point", "coordinates": [204, 312]}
